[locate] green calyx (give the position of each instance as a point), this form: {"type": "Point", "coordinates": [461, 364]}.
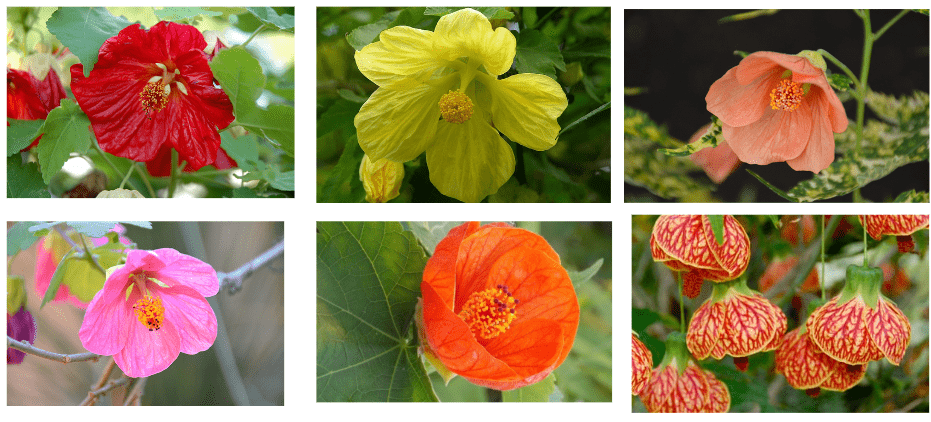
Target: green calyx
{"type": "Point", "coordinates": [864, 282]}
{"type": "Point", "coordinates": [815, 58]}
{"type": "Point", "coordinates": [726, 289]}
{"type": "Point", "coordinates": [676, 351]}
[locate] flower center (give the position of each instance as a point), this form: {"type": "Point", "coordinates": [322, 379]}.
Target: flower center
{"type": "Point", "coordinates": [455, 107]}
{"type": "Point", "coordinates": [150, 312]}
{"type": "Point", "coordinates": [490, 312]}
{"type": "Point", "coordinates": [154, 96]}
{"type": "Point", "coordinates": [787, 96]}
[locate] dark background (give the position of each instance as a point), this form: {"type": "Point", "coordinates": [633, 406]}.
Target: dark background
{"type": "Point", "coordinates": [677, 54]}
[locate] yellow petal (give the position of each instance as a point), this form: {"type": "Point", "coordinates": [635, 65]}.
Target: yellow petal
{"type": "Point", "coordinates": [402, 56]}
{"type": "Point", "coordinates": [468, 33]}
{"type": "Point", "coordinates": [398, 124]}
{"type": "Point", "coordinates": [469, 161]}
{"type": "Point", "coordinates": [381, 179]}
{"type": "Point", "coordinates": [525, 108]}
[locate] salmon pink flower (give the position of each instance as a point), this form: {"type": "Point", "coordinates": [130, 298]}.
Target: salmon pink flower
{"type": "Point", "coordinates": [152, 89]}
{"type": "Point", "coordinates": [439, 92]}
{"type": "Point", "coordinates": [718, 162]}
{"type": "Point", "coordinates": [900, 226]}
{"type": "Point", "coordinates": [735, 321]}
{"type": "Point", "coordinates": [860, 324]}
{"type": "Point", "coordinates": [679, 385]}
{"type": "Point", "coordinates": [28, 98]}
{"type": "Point", "coordinates": [778, 107]}
{"type": "Point", "coordinates": [498, 308]}
{"type": "Point", "coordinates": [687, 243]}
{"type": "Point", "coordinates": [807, 368]}
{"type": "Point", "coordinates": [642, 365]}
{"type": "Point", "coordinates": [151, 309]}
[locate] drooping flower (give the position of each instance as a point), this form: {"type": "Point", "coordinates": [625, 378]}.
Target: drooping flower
{"type": "Point", "coordinates": [687, 243]}
{"type": "Point", "coordinates": [498, 308]}
{"type": "Point", "coordinates": [860, 324]}
{"type": "Point", "coordinates": [381, 179]}
{"type": "Point", "coordinates": [642, 365]}
{"type": "Point", "coordinates": [439, 92]}
{"type": "Point", "coordinates": [150, 310]}
{"type": "Point", "coordinates": [900, 226]}
{"type": "Point", "coordinates": [153, 88]}
{"type": "Point", "coordinates": [778, 107]}
{"type": "Point", "coordinates": [807, 368]}
{"type": "Point", "coordinates": [777, 270]}
{"type": "Point", "coordinates": [19, 322]}
{"type": "Point", "coordinates": [679, 385]}
{"type": "Point", "coordinates": [718, 162]}
{"type": "Point", "coordinates": [28, 98]}
{"type": "Point", "coordinates": [735, 321]}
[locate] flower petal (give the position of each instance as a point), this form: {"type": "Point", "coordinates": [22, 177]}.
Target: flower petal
{"type": "Point", "coordinates": [739, 104]}
{"type": "Point", "coordinates": [819, 151]}
{"type": "Point", "coordinates": [889, 329]}
{"type": "Point", "coordinates": [107, 322]}
{"type": "Point", "coordinates": [440, 272]}
{"type": "Point", "coordinates": [777, 136]}
{"type": "Point", "coordinates": [469, 161]}
{"type": "Point", "coordinates": [767, 62]}
{"type": "Point", "coordinates": [468, 32]}
{"type": "Point", "coordinates": [840, 332]}
{"type": "Point", "coordinates": [184, 270]}
{"type": "Point", "coordinates": [148, 352]}
{"type": "Point", "coordinates": [803, 365]}
{"type": "Point", "coordinates": [190, 313]}
{"type": "Point", "coordinates": [525, 108]}
{"type": "Point", "coordinates": [532, 348]}
{"type": "Point", "coordinates": [399, 124]}
{"type": "Point", "coordinates": [706, 328]}
{"type": "Point", "coordinates": [401, 53]}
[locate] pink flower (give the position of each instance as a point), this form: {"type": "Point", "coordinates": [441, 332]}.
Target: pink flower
{"type": "Point", "coordinates": [778, 107]}
{"type": "Point", "coordinates": [718, 162]}
{"type": "Point", "coordinates": [151, 309]}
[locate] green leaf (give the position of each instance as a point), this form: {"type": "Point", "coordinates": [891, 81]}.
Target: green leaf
{"type": "Point", "coordinates": [83, 278]}
{"type": "Point", "coordinates": [368, 278]}
{"type": "Point", "coordinates": [89, 228]}
{"type": "Point", "coordinates": [712, 138]}
{"type": "Point", "coordinates": [900, 110]}
{"type": "Point", "coordinates": [57, 277]}
{"type": "Point", "coordinates": [21, 133]}
{"type": "Point", "coordinates": [269, 16]}
{"type": "Point", "coordinates": [489, 12]}
{"type": "Point", "coordinates": [84, 30]}
{"type": "Point", "coordinates": [603, 107]}
{"type": "Point", "coordinates": [717, 226]}
{"type": "Point", "coordinates": [543, 391]}
{"type": "Point", "coordinates": [579, 277]}
{"type": "Point", "coordinates": [243, 149]}
{"type": "Point", "coordinates": [283, 181]}
{"type": "Point", "coordinates": [23, 180]}
{"type": "Point", "coordinates": [340, 115]}
{"type": "Point", "coordinates": [912, 197]}
{"type": "Point", "coordinates": [839, 81]}
{"type": "Point", "coordinates": [430, 233]}
{"type": "Point", "coordinates": [19, 238]}
{"type": "Point", "coordinates": [537, 53]}
{"type": "Point", "coordinates": [244, 193]}
{"type": "Point", "coordinates": [242, 79]}
{"type": "Point", "coordinates": [65, 131]}
{"type": "Point", "coordinates": [367, 34]}
{"type": "Point", "coordinates": [177, 14]}
{"type": "Point", "coordinates": [343, 184]}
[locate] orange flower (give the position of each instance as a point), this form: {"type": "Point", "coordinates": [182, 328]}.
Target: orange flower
{"type": "Point", "coordinates": [679, 385]}
{"type": "Point", "coordinates": [900, 226]}
{"type": "Point", "coordinates": [778, 107]}
{"type": "Point", "coordinates": [687, 243]}
{"type": "Point", "coordinates": [718, 162]}
{"type": "Point", "coordinates": [642, 361]}
{"type": "Point", "coordinates": [498, 308]}
{"type": "Point", "coordinates": [778, 269]}
{"type": "Point", "coordinates": [807, 368]}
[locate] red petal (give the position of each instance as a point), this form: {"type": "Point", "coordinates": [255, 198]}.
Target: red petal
{"type": "Point", "coordinates": [840, 332]}
{"type": "Point", "coordinates": [642, 365]}
{"type": "Point", "coordinates": [889, 329]}
{"type": "Point", "coordinates": [705, 329]}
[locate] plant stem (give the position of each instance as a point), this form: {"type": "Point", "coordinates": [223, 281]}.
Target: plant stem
{"type": "Point", "coordinates": [681, 286]}
{"type": "Point", "coordinates": [107, 160]}
{"type": "Point", "coordinates": [233, 279]}
{"type": "Point", "coordinates": [172, 177]}
{"type": "Point", "coordinates": [145, 180]}
{"type": "Point", "coordinates": [865, 235]}
{"type": "Point", "coordinates": [243, 45]}
{"type": "Point", "coordinates": [889, 24]}
{"type": "Point", "coordinates": [32, 350]}
{"type": "Point", "coordinates": [863, 87]}
{"type": "Point", "coordinates": [842, 66]}
{"type": "Point", "coordinates": [61, 232]}
{"type": "Point", "coordinates": [89, 256]}
{"type": "Point", "coordinates": [822, 258]}
{"type": "Point", "coordinates": [126, 178]}
{"type": "Point", "coordinates": [545, 17]}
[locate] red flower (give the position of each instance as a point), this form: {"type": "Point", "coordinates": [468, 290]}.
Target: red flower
{"type": "Point", "coordinates": [807, 368]}
{"type": "Point", "coordinates": [678, 384]}
{"type": "Point", "coordinates": [154, 88]}
{"type": "Point", "coordinates": [27, 98]}
{"type": "Point", "coordinates": [498, 308]}
{"type": "Point", "coordinates": [687, 243]}
{"type": "Point", "coordinates": [642, 365]}
{"type": "Point", "coordinates": [901, 226]}
{"type": "Point", "coordinates": [777, 107]}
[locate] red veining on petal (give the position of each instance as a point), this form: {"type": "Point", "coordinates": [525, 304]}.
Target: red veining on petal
{"type": "Point", "coordinates": [841, 333]}
{"type": "Point", "coordinates": [691, 284]}
{"type": "Point", "coordinates": [899, 225]}
{"type": "Point", "coordinates": [686, 243]}
{"type": "Point", "coordinates": [719, 398]}
{"type": "Point", "coordinates": [642, 362]}
{"type": "Point", "coordinates": [803, 366]}
{"type": "Point", "coordinates": [751, 324]}
{"type": "Point", "coordinates": [889, 329]}
{"type": "Point", "coordinates": [705, 329]}
{"type": "Point", "coordinates": [844, 376]}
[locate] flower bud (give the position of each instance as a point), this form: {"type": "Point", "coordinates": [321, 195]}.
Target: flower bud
{"type": "Point", "coordinates": [120, 193]}
{"type": "Point", "coordinates": [381, 179]}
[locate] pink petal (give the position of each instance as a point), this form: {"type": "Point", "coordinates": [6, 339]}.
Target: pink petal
{"type": "Point", "coordinates": [148, 352]}
{"type": "Point", "coordinates": [190, 313]}
{"type": "Point", "coordinates": [778, 136]}
{"type": "Point", "coordinates": [763, 62]}
{"type": "Point", "coordinates": [138, 260]}
{"type": "Point", "coordinates": [739, 104]}
{"type": "Point", "coordinates": [184, 270]}
{"type": "Point", "coordinates": [819, 152]}
{"type": "Point", "coordinates": [106, 324]}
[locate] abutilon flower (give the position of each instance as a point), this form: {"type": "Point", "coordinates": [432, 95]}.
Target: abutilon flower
{"type": "Point", "coordinates": [679, 385]}
{"type": "Point", "coordinates": [735, 321]}
{"type": "Point", "coordinates": [28, 98]}
{"type": "Point", "coordinates": [900, 226]}
{"type": "Point", "coordinates": [778, 107]}
{"type": "Point", "coordinates": [153, 89]}
{"type": "Point", "coordinates": [807, 368]}
{"type": "Point", "coordinates": [860, 324]}
{"type": "Point", "coordinates": [439, 92]}
{"type": "Point", "coordinates": [498, 308]}
{"type": "Point", "coordinates": [642, 361]}
{"type": "Point", "coordinates": [381, 179]}
{"type": "Point", "coordinates": [150, 310]}
{"type": "Point", "coordinates": [687, 243]}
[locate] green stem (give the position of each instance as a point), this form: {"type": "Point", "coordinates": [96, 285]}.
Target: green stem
{"type": "Point", "coordinates": [243, 45]}
{"type": "Point", "coordinates": [823, 297]}
{"type": "Point", "coordinates": [544, 18]}
{"type": "Point", "coordinates": [110, 163]}
{"type": "Point", "coordinates": [841, 65]}
{"type": "Point", "coordinates": [145, 180]}
{"type": "Point", "coordinates": [681, 303]}
{"type": "Point", "coordinates": [126, 178]}
{"type": "Point", "coordinates": [889, 24]}
{"type": "Point", "coordinates": [865, 235]}
{"type": "Point", "coordinates": [90, 256]}
{"type": "Point", "coordinates": [172, 177]}
{"type": "Point", "coordinates": [868, 40]}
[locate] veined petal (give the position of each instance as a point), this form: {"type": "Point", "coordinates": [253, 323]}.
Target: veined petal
{"type": "Point", "coordinates": [819, 151]}
{"type": "Point", "coordinates": [399, 124]}
{"type": "Point", "coordinates": [184, 270]}
{"type": "Point", "coordinates": [468, 161]}
{"type": "Point", "coordinates": [468, 33]}
{"type": "Point", "coordinates": [525, 108]}
{"type": "Point", "coordinates": [705, 329]}
{"type": "Point", "coordinates": [778, 136]}
{"type": "Point", "coordinates": [531, 348]}
{"type": "Point", "coordinates": [737, 104]}
{"type": "Point", "coordinates": [106, 324]}
{"type": "Point", "coordinates": [402, 52]}
{"type": "Point", "coordinates": [190, 313]}
{"type": "Point", "coordinates": [149, 352]}
{"type": "Point", "coordinates": [889, 330]}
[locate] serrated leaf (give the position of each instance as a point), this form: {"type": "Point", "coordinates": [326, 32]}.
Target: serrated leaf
{"type": "Point", "coordinates": [21, 133]}
{"type": "Point", "coordinates": [430, 233]}
{"type": "Point", "coordinates": [19, 238]}
{"type": "Point", "coordinates": [176, 14]}
{"type": "Point", "coordinates": [84, 30]}
{"type": "Point", "coordinates": [579, 277]}
{"type": "Point", "coordinates": [24, 180]}
{"type": "Point", "coordinates": [537, 53]}
{"type": "Point", "coordinates": [717, 227]}
{"type": "Point", "coordinates": [269, 16]}
{"type": "Point", "coordinates": [543, 391]}
{"type": "Point", "coordinates": [368, 278]}
{"type": "Point", "coordinates": [66, 130]}
{"type": "Point", "coordinates": [57, 277]}
{"type": "Point", "coordinates": [912, 197]}
{"type": "Point", "coordinates": [243, 149]}
{"type": "Point", "coordinates": [366, 34]}
{"type": "Point", "coordinates": [712, 138]}
{"type": "Point", "coordinates": [489, 12]}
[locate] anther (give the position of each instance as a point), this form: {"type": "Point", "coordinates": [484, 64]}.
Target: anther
{"type": "Point", "coordinates": [150, 312]}
{"type": "Point", "coordinates": [787, 96]}
{"type": "Point", "coordinates": [455, 107]}
{"type": "Point", "coordinates": [490, 312]}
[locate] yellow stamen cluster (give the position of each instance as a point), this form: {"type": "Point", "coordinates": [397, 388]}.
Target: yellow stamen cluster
{"type": "Point", "coordinates": [150, 312]}
{"type": "Point", "coordinates": [456, 107]}
{"type": "Point", "coordinates": [154, 96]}
{"type": "Point", "coordinates": [490, 312]}
{"type": "Point", "coordinates": [787, 96]}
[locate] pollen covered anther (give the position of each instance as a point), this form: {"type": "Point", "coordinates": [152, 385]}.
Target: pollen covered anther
{"type": "Point", "coordinates": [150, 312]}
{"type": "Point", "coordinates": [787, 96]}
{"type": "Point", "coordinates": [489, 312]}
{"type": "Point", "coordinates": [456, 107]}
{"type": "Point", "coordinates": [154, 96]}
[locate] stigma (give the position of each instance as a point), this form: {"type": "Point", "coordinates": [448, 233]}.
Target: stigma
{"type": "Point", "coordinates": [150, 312]}
{"type": "Point", "coordinates": [787, 96]}
{"type": "Point", "coordinates": [456, 107]}
{"type": "Point", "coordinates": [490, 312]}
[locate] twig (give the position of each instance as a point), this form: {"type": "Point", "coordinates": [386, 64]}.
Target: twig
{"type": "Point", "coordinates": [88, 255]}
{"type": "Point", "coordinates": [134, 398]}
{"type": "Point", "coordinates": [32, 350]}
{"type": "Point", "coordinates": [96, 394]}
{"type": "Point", "coordinates": [91, 399]}
{"type": "Point", "coordinates": [61, 232]}
{"type": "Point", "coordinates": [233, 280]}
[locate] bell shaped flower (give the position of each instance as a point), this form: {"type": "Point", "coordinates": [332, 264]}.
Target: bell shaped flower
{"type": "Point", "coordinates": [777, 107]}
{"type": "Point", "coordinates": [860, 324]}
{"type": "Point", "coordinates": [687, 243]}
{"type": "Point", "coordinates": [900, 226]}
{"type": "Point", "coordinates": [498, 308]}
{"type": "Point", "coordinates": [28, 98]}
{"type": "Point", "coordinates": [642, 365]}
{"type": "Point", "coordinates": [679, 385]}
{"type": "Point", "coordinates": [150, 310]}
{"type": "Point", "coordinates": [807, 368]}
{"type": "Point", "coordinates": [439, 92]}
{"type": "Point", "coordinates": [153, 89]}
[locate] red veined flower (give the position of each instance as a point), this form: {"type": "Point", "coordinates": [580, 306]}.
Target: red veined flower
{"type": "Point", "coordinates": [807, 368]}
{"type": "Point", "coordinates": [642, 365]}
{"type": "Point", "coordinates": [679, 385]}
{"type": "Point", "coordinates": [900, 226]}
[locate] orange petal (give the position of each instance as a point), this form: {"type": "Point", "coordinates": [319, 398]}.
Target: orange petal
{"type": "Point", "coordinates": [803, 366]}
{"type": "Point", "coordinates": [762, 62]}
{"type": "Point", "coordinates": [889, 329]}
{"type": "Point", "coordinates": [529, 347]}
{"type": "Point", "coordinates": [692, 390]}
{"type": "Point", "coordinates": [737, 104]}
{"type": "Point", "coordinates": [440, 271]}
{"type": "Point", "coordinates": [819, 151]}
{"type": "Point", "coordinates": [777, 136]}
{"type": "Point", "coordinates": [844, 376]}
{"type": "Point", "coordinates": [733, 254]}
{"type": "Point", "coordinates": [750, 324]}
{"type": "Point", "coordinates": [719, 398]}
{"type": "Point", "coordinates": [705, 329]}
{"type": "Point", "coordinates": [642, 365]}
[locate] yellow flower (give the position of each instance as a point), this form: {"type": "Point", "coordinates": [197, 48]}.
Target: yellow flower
{"type": "Point", "coordinates": [439, 92]}
{"type": "Point", "coordinates": [381, 179]}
